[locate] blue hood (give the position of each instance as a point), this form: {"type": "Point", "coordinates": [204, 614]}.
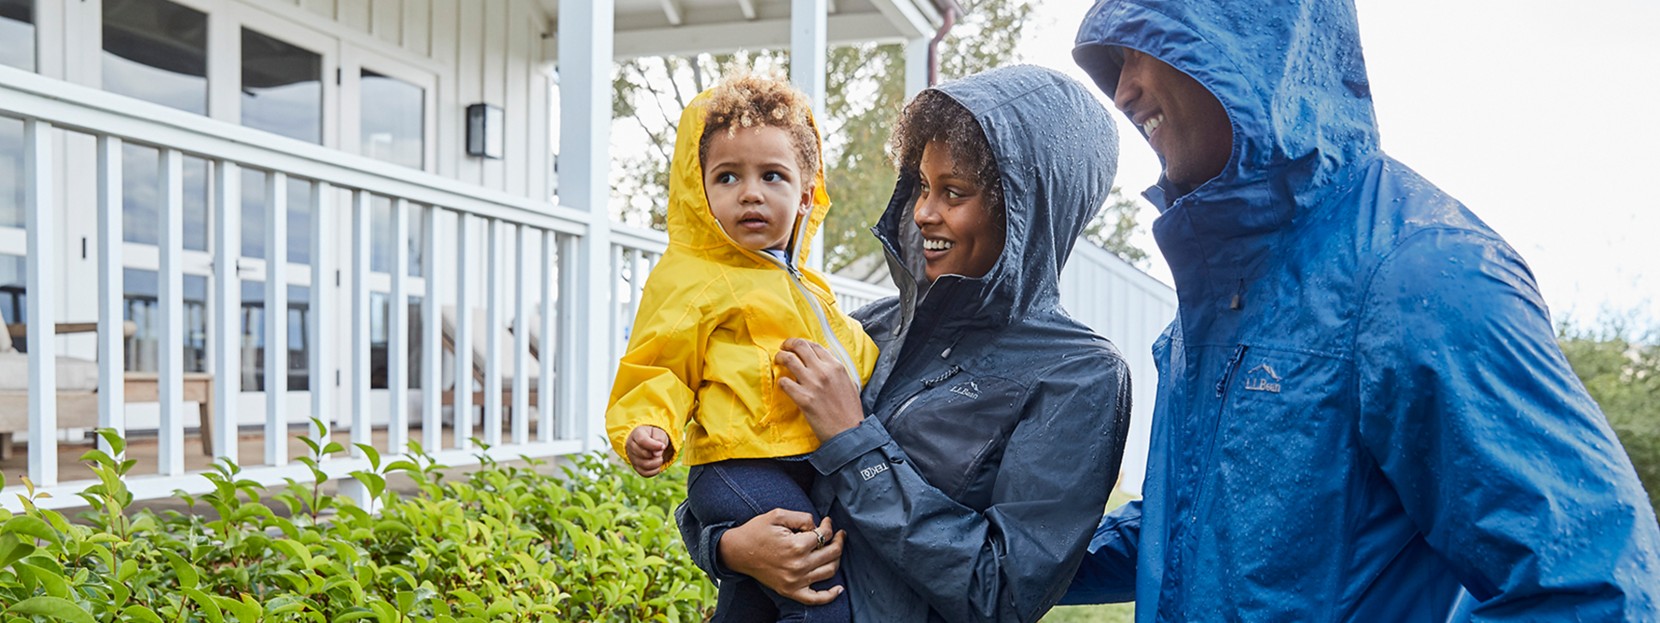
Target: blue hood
{"type": "Point", "coordinates": [1292, 80]}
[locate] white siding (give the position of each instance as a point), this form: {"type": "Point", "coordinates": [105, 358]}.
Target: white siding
{"type": "Point", "coordinates": [481, 52]}
{"type": "Point", "coordinates": [1130, 308]}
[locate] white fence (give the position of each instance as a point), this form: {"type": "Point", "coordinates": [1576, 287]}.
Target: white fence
{"type": "Point", "coordinates": [481, 259]}
{"type": "Point", "coordinates": [486, 265]}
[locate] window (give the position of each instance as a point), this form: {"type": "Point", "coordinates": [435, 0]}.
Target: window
{"type": "Point", "coordinates": [295, 358]}
{"type": "Point", "coordinates": [141, 197]}
{"type": "Point", "coordinates": [393, 120]}
{"type": "Point", "coordinates": [156, 51]}
{"type": "Point", "coordinates": [11, 172]}
{"type": "Point", "coordinates": [143, 308]}
{"type": "Point", "coordinates": [254, 211]}
{"type": "Point", "coordinates": [17, 29]}
{"type": "Point", "coordinates": [282, 87]}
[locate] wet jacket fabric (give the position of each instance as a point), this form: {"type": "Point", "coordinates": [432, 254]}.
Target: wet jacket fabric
{"type": "Point", "coordinates": [1362, 412]}
{"type": "Point", "coordinates": [995, 422]}
{"type": "Point", "coordinates": [711, 317]}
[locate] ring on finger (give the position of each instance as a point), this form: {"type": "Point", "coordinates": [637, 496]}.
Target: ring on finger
{"type": "Point", "coordinates": [822, 541]}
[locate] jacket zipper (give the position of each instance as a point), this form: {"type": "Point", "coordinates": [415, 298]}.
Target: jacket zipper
{"type": "Point", "coordinates": [1203, 491]}
{"type": "Point", "coordinates": [835, 343]}
{"type": "Point", "coordinates": [927, 384]}
{"type": "Point", "coordinates": [1227, 373]}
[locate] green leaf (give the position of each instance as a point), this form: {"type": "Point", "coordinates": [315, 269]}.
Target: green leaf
{"type": "Point", "coordinates": [49, 579]}
{"type": "Point", "coordinates": [246, 611]}
{"type": "Point", "coordinates": [55, 607]}
{"type": "Point", "coordinates": [30, 526]}
{"type": "Point", "coordinates": [372, 453]}
{"type": "Point", "coordinates": [141, 613]}
{"type": "Point", "coordinates": [209, 607]}
{"type": "Point", "coordinates": [116, 442]}
{"type": "Point", "coordinates": [189, 577]}
{"type": "Point", "coordinates": [12, 550]}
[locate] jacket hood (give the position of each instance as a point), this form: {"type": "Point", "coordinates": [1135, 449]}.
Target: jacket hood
{"type": "Point", "coordinates": [1291, 77]}
{"type": "Point", "coordinates": [691, 224]}
{"type": "Point", "coordinates": [1057, 152]}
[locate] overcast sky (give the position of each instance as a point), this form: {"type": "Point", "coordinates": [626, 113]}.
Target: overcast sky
{"type": "Point", "coordinates": [1544, 118]}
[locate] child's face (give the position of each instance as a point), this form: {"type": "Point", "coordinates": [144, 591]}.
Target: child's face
{"type": "Point", "coordinates": [958, 235]}
{"type": "Point", "coordinates": [754, 185]}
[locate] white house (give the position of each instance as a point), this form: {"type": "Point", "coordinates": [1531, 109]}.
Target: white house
{"type": "Point", "coordinates": [171, 170]}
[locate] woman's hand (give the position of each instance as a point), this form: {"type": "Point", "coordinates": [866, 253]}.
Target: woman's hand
{"type": "Point", "coordinates": [820, 387]}
{"type": "Point", "coordinates": [785, 552]}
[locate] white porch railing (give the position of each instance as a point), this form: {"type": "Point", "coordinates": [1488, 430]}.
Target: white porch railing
{"type": "Point", "coordinates": [467, 234]}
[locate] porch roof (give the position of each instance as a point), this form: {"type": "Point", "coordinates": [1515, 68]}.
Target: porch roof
{"type": "Point", "coordinates": [668, 27]}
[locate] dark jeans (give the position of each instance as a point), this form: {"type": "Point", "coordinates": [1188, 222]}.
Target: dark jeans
{"type": "Point", "coordinates": [736, 491]}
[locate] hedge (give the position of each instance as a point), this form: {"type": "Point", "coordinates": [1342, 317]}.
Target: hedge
{"type": "Point", "coordinates": [502, 543]}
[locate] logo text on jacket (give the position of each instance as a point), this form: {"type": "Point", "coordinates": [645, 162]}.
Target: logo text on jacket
{"type": "Point", "coordinates": [871, 472]}
{"type": "Point", "coordinates": [1262, 379]}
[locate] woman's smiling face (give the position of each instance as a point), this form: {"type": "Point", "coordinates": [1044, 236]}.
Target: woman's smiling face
{"type": "Point", "coordinates": [959, 236]}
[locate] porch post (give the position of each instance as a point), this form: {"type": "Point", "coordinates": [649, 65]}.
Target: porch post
{"type": "Point", "coordinates": [585, 51]}
{"type": "Point", "coordinates": [916, 66]}
{"type": "Point", "coordinates": [808, 50]}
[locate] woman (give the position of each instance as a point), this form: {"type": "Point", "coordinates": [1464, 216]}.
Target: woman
{"type": "Point", "coordinates": [981, 455]}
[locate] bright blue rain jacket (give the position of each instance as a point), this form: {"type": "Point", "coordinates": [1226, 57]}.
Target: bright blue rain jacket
{"type": "Point", "coordinates": [1362, 411]}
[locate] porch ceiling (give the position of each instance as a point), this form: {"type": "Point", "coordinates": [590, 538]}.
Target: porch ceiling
{"type": "Point", "coordinates": [665, 27]}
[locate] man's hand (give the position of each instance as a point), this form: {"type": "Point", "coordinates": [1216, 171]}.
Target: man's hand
{"type": "Point", "coordinates": [785, 552]}
{"type": "Point", "coordinates": [649, 449]}
{"type": "Point", "coordinates": [827, 396]}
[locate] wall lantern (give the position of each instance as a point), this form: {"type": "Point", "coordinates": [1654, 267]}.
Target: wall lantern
{"type": "Point", "coordinates": [484, 131]}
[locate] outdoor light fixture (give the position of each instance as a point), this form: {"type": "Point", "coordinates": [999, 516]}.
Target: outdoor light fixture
{"type": "Point", "coordinates": [484, 131]}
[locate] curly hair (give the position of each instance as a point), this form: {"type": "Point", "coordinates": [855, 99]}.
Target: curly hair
{"type": "Point", "coordinates": [932, 116]}
{"type": "Point", "coordinates": [747, 100]}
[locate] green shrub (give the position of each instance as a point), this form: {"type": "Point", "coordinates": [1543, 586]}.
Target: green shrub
{"type": "Point", "coordinates": [503, 543]}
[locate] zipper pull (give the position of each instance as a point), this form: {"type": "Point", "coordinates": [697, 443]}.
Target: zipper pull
{"type": "Point", "coordinates": [1227, 373]}
{"type": "Point", "coordinates": [1238, 301]}
{"type": "Point", "coordinates": [952, 371]}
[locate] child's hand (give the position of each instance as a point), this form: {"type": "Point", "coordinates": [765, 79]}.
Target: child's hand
{"type": "Point", "coordinates": [649, 449]}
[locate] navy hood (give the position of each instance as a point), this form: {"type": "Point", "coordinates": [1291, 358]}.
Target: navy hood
{"type": "Point", "coordinates": [1291, 77]}
{"type": "Point", "coordinates": [1036, 120]}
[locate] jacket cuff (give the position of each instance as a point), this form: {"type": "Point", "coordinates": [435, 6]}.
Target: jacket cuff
{"type": "Point", "coordinates": [852, 443]}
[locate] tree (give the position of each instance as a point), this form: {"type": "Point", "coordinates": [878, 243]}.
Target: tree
{"type": "Point", "coordinates": [1623, 375]}
{"type": "Point", "coordinates": [864, 94]}
{"type": "Point", "coordinates": [1114, 225]}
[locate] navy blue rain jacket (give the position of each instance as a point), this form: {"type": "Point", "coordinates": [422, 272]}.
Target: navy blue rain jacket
{"type": "Point", "coordinates": [995, 422]}
{"type": "Point", "coordinates": [1362, 411]}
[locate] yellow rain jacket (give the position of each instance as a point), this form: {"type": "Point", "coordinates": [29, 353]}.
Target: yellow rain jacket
{"type": "Point", "coordinates": [712, 316]}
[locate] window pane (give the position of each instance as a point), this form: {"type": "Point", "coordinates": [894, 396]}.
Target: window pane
{"type": "Point", "coordinates": [11, 172]}
{"type": "Point", "coordinates": [253, 213]}
{"type": "Point", "coordinates": [299, 351]}
{"type": "Point", "coordinates": [12, 282]}
{"type": "Point", "coordinates": [300, 208]}
{"type": "Point", "coordinates": [392, 119]}
{"type": "Point", "coordinates": [143, 308]}
{"type": "Point", "coordinates": [253, 336]}
{"type": "Point", "coordinates": [282, 88]}
{"type": "Point", "coordinates": [380, 234]}
{"type": "Point", "coordinates": [141, 197]}
{"type": "Point", "coordinates": [17, 29]}
{"type": "Point", "coordinates": [156, 51]}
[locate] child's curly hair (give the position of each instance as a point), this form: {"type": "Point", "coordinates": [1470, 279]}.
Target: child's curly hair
{"type": "Point", "coordinates": [934, 116]}
{"type": "Point", "coordinates": [747, 101]}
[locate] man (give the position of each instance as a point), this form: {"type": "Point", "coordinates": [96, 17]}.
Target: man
{"type": "Point", "coordinates": [1362, 411]}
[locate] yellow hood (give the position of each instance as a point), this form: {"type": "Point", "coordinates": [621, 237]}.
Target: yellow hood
{"type": "Point", "coordinates": [692, 225]}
